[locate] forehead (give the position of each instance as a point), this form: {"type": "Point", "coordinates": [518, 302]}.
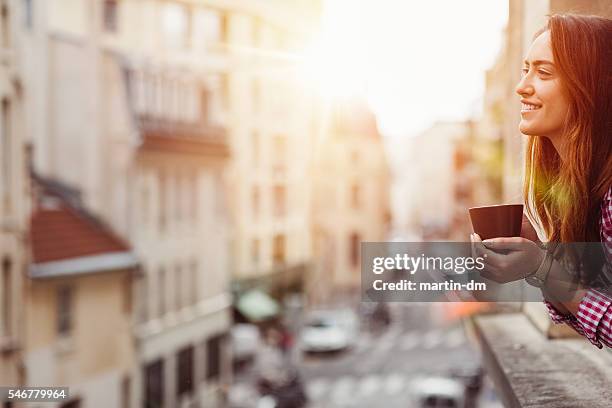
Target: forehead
{"type": "Point", "coordinates": [540, 48]}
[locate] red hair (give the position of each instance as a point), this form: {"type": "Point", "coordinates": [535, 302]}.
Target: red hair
{"type": "Point", "coordinates": [565, 196]}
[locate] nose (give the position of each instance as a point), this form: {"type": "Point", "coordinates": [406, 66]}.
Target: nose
{"type": "Point", "coordinates": [524, 87]}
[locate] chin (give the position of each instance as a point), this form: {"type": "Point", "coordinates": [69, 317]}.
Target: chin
{"type": "Point", "coordinates": [527, 130]}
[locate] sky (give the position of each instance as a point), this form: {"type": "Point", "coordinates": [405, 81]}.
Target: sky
{"type": "Point", "coordinates": [414, 61]}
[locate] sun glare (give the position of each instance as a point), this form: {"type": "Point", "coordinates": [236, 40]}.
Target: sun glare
{"type": "Point", "coordinates": [414, 62]}
{"type": "Point", "coordinates": [334, 63]}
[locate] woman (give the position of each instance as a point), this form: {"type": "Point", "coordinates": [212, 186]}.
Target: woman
{"type": "Point", "coordinates": [567, 115]}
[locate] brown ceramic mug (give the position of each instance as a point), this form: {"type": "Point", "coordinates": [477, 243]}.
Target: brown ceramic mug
{"type": "Point", "coordinates": [504, 220]}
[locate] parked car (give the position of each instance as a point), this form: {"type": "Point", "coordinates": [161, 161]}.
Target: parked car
{"type": "Point", "coordinates": [324, 332]}
{"type": "Point", "coordinates": [245, 340]}
{"type": "Point", "coordinates": [438, 392]}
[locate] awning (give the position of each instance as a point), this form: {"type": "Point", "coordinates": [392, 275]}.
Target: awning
{"type": "Point", "coordinates": [257, 306]}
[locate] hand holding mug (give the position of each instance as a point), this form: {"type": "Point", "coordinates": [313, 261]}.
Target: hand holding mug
{"type": "Point", "coordinates": [507, 259]}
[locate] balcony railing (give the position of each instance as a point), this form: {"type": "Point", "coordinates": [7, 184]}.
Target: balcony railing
{"type": "Point", "coordinates": [183, 138]}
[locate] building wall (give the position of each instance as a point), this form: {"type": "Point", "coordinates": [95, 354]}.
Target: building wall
{"type": "Point", "coordinates": [272, 123]}
{"type": "Point", "coordinates": [84, 131]}
{"type": "Point", "coordinates": [98, 353]}
{"type": "Point", "coordinates": [351, 204]}
{"type": "Point", "coordinates": [14, 200]}
{"type": "Point", "coordinates": [432, 159]}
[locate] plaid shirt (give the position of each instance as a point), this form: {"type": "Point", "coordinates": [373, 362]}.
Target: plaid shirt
{"type": "Point", "coordinates": [594, 317]}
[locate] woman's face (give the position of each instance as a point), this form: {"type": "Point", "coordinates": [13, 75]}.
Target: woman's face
{"type": "Point", "coordinates": [544, 106]}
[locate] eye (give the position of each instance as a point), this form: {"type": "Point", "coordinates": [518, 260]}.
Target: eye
{"type": "Point", "coordinates": [524, 71]}
{"type": "Point", "coordinates": [542, 72]}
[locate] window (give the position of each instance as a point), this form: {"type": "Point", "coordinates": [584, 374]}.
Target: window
{"type": "Point", "coordinates": [184, 375]}
{"type": "Point", "coordinates": [170, 99]}
{"type": "Point", "coordinates": [127, 293]}
{"type": "Point", "coordinates": [256, 94]}
{"type": "Point", "coordinates": [255, 250]}
{"type": "Point", "coordinates": [204, 105]}
{"type": "Point", "coordinates": [255, 201]}
{"type": "Point", "coordinates": [278, 249]}
{"type": "Point", "coordinates": [255, 148]}
{"type": "Point", "coordinates": [177, 197]}
{"type": "Point", "coordinates": [193, 194]}
{"type": "Point", "coordinates": [145, 291]}
{"type": "Point", "coordinates": [224, 90]}
{"type": "Point", "coordinates": [28, 13]}
{"type": "Point", "coordinates": [144, 201]}
{"type": "Point", "coordinates": [125, 392]}
{"type": "Point", "coordinates": [6, 296]}
{"type": "Point", "coordinates": [154, 384]}
{"type": "Point", "coordinates": [5, 149]}
{"type": "Point", "coordinates": [213, 357]}
{"type": "Point", "coordinates": [149, 92]}
{"type": "Point", "coordinates": [162, 201]}
{"type": "Point", "coordinates": [71, 404]}
{"type": "Point", "coordinates": [355, 243]}
{"type": "Point", "coordinates": [64, 310]}
{"type": "Point", "coordinates": [355, 196]}
{"type": "Point", "coordinates": [194, 282]}
{"type": "Point", "coordinates": [215, 25]}
{"type": "Point", "coordinates": [5, 41]}
{"type": "Point", "coordinates": [280, 200]}
{"type": "Point", "coordinates": [179, 279]}
{"type": "Point", "coordinates": [176, 25]}
{"type": "Point", "coordinates": [109, 12]}
{"type": "Point", "coordinates": [161, 292]}
{"type": "Point", "coordinates": [279, 153]}
{"type": "Point", "coordinates": [158, 95]}
{"type": "Point", "coordinates": [256, 33]}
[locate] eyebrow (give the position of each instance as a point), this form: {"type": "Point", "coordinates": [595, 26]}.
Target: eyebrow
{"type": "Point", "coordinates": [539, 62]}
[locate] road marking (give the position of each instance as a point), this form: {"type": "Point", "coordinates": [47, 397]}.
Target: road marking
{"type": "Point", "coordinates": [432, 339]}
{"type": "Point", "coordinates": [342, 390]}
{"type": "Point", "coordinates": [409, 341]}
{"type": "Point", "coordinates": [369, 385]}
{"type": "Point", "coordinates": [455, 338]}
{"type": "Point", "coordinates": [394, 383]}
{"type": "Point", "coordinates": [363, 343]}
{"type": "Point", "coordinates": [387, 340]}
{"type": "Point", "coordinates": [316, 388]}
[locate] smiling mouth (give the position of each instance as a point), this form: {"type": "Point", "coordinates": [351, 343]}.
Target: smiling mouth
{"type": "Point", "coordinates": [527, 107]}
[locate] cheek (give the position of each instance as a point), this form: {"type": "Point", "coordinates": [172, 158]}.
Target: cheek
{"type": "Point", "coordinates": [555, 101]}
{"type": "Point", "coordinates": [556, 112]}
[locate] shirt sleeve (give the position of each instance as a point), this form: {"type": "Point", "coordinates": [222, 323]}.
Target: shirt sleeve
{"type": "Point", "coordinates": [606, 225]}
{"type": "Point", "coordinates": [593, 320]}
{"type": "Point", "coordinates": [594, 317]}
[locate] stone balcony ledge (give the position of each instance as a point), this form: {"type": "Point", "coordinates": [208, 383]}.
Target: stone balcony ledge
{"type": "Point", "coordinates": [530, 370]}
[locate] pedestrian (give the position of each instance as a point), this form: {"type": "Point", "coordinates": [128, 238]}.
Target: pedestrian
{"type": "Point", "coordinates": [566, 110]}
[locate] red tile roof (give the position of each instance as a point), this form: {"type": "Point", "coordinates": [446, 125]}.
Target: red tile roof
{"type": "Point", "coordinates": [60, 232]}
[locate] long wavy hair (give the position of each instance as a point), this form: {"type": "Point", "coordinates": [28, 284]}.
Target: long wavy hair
{"type": "Point", "coordinates": [565, 197]}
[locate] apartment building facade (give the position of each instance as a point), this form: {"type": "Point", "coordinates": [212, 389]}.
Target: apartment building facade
{"type": "Point", "coordinates": [134, 120]}
{"type": "Point", "coordinates": [273, 120]}
{"type": "Point", "coordinates": [78, 302]}
{"type": "Point", "coordinates": [351, 198]}
{"type": "Point", "coordinates": [14, 200]}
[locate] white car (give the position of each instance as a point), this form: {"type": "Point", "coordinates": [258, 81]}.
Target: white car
{"type": "Point", "coordinates": [324, 332]}
{"type": "Point", "coordinates": [245, 341]}
{"type": "Point", "coordinates": [437, 392]}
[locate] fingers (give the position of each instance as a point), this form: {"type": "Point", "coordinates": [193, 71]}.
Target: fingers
{"type": "Point", "coordinates": [504, 244]}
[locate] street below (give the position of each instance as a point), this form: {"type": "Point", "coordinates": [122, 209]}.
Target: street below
{"type": "Point", "coordinates": [383, 365]}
